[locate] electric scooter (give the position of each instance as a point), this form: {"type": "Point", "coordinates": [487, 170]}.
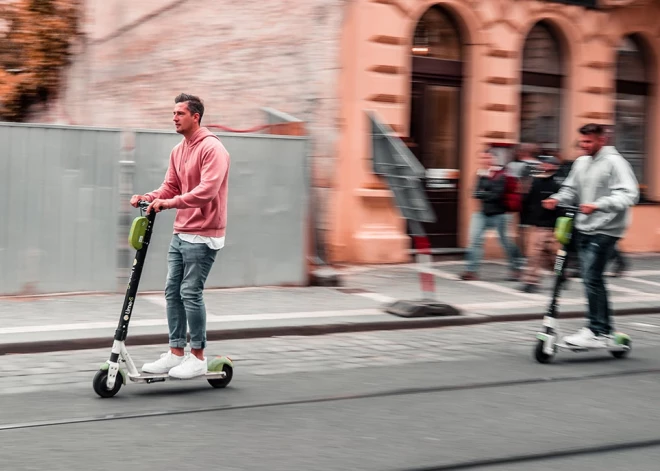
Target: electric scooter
{"type": "Point", "coordinates": [549, 341]}
{"type": "Point", "coordinates": [120, 367]}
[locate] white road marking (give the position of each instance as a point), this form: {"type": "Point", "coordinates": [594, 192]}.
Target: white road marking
{"type": "Point", "coordinates": [438, 273]}
{"type": "Point", "coordinates": [482, 284]}
{"type": "Point", "coordinates": [449, 262]}
{"type": "Point", "coordinates": [507, 290]}
{"type": "Point", "coordinates": [621, 289]}
{"type": "Point", "coordinates": [381, 298]}
{"type": "Point", "coordinates": [641, 280]}
{"type": "Point", "coordinates": [209, 318]}
{"type": "Point", "coordinates": [641, 273]}
{"type": "Point", "coordinates": [501, 305]}
{"type": "Point", "coordinates": [157, 300]}
{"type": "Point", "coordinates": [642, 324]}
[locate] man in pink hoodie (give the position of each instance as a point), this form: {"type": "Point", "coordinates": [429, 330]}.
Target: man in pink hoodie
{"type": "Point", "coordinates": [196, 186]}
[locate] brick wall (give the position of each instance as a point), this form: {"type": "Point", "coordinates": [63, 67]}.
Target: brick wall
{"type": "Point", "coordinates": [239, 56]}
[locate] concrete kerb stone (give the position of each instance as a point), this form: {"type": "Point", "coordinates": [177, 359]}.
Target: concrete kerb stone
{"type": "Point", "coordinates": [306, 330]}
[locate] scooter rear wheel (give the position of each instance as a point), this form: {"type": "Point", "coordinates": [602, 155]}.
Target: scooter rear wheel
{"type": "Point", "coordinates": [100, 386]}
{"type": "Point", "coordinates": [540, 354]}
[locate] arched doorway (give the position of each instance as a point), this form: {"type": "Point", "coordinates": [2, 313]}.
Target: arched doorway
{"type": "Point", "coordinates": [633, 87]}
{"type": "Point", "coordinates": [541, 89]}
{"type": "Point", "coordinates": [435, 118]}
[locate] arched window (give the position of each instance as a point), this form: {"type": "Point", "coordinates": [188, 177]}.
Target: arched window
{"type": "Point", "coordinates": [436, 85]}
{"type": "Point", "coordinates": [542, 81]}
{"type": "Point", "coordinates": [632, 103]}
{"type": "Point", "coordinates": [436, 36]}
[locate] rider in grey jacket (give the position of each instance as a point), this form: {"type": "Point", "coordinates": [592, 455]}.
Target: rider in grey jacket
{"type": "Point", "coordinates": [604, 186]}
{"type": "Point", "coordinates": [607, 181]}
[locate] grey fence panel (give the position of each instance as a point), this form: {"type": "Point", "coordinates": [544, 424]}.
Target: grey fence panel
{"type": "Point", "coordinates": [280, 200]}
{"type": "Point", "coordinates": [61, 228]}
{"type": "Point", "coordinates": [268, 193]}
{"type": "Point", "coordinates": [5, 207]}
{"type": "Point", "coordinates": [59, 202]}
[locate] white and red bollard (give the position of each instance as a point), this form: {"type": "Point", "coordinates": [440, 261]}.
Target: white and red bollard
{"type": "Point", "coordinates": [424, 258]}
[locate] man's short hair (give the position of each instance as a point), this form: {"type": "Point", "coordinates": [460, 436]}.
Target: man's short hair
{"type": "Point", "coordinates": [592, 129]}
{"type": "Point", "coordinates": [193, 103]}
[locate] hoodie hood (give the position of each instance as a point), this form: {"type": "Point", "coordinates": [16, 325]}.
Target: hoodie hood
{"type": "Point", "coordinates": [198, 136]}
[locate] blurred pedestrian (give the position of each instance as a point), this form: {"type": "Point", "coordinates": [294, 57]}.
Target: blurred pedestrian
{"type": "Point", "coordinates": [543, 245]}
{"type": "Point", "coordinates": [489, 190]}
{"type": "Point", "coordinates": [524, 166]}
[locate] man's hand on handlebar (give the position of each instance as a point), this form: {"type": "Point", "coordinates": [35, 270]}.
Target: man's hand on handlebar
{"type": "Point", "coordinates": [588, 208]}
{"type": "Point", "coordinates": [135, 200]}
{"type": "Point", "coordinates": [158, 205]}
{"type": "Point", "coordinates": [550, 203]}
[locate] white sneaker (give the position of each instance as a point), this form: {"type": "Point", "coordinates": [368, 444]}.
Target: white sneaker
{"type": "Point", "coordinates": [164, 364]}
{"type": "Point", "coordinates": [587, 339]}
{"type": "Point", "coordinates": [190, 367]}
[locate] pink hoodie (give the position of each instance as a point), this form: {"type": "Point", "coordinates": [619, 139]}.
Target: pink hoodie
{"type": "Point", "coordinates": [196, 183]}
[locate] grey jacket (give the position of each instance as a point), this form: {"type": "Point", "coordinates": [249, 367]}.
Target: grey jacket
{"type": "Point", "coordinates": [606, 180]}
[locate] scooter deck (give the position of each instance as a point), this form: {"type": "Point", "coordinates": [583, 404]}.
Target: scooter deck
{"type": "Point", "coordinates": [575, 348]}
{"type": "Point", "coordinates": [155, 377]}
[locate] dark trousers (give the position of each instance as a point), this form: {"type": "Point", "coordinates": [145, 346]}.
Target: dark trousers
{"type": "Point", "coordinates": [594, 252]}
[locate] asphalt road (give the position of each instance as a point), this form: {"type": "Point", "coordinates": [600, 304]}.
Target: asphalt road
{"type": "Point", "coordinates": [491, 406]}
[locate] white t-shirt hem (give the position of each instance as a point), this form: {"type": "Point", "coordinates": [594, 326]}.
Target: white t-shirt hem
{"type": "Point", "coordinates": [214, 243]}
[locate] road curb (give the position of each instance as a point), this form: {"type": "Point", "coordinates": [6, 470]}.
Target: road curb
{"type": "Point", "coordinates": [302, 330]}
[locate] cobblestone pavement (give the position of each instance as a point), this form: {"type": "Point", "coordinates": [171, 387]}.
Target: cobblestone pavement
{"type": "Point", "coordinates": [269, 356]}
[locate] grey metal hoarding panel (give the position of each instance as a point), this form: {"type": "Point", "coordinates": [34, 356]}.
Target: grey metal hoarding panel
{"type": "Point", "coordinates": [54, 238]}
{"type": "Point", "coordinates": [5, 150]}
{"type": "Point", "coordinates": [265, 241]}
{"type": "Point", "coordinates": [280, 241]}
{"type": "Point", "coordinates": [61, 228]}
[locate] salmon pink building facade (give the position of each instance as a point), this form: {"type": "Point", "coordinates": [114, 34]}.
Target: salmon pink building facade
{"type": "Point", "coordinates": [450, 77]}
{"type": "Point", "coordinates": [447, 77]}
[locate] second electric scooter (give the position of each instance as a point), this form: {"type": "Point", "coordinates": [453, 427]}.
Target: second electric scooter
{"type": "Point", "coordinates": [549, 341]}
{"type": "Point", "coordinates": [120, 367]}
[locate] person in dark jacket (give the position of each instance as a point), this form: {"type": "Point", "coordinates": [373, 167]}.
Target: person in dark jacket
{"type": "Point", "coordinates": [491, 184]}
{"type": "Point", "coordinates": [543, 242]}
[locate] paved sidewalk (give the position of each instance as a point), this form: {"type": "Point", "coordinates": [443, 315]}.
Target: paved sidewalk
{"type": "Point", "coordinates": [88, 321]}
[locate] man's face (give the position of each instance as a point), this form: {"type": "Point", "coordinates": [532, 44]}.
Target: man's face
{"type": "Point", "coordinates": [590, 144]}
{"type": "Point", "coordinates": [183, 120]}
{"type": "Point", "coordinates": [486, 160]}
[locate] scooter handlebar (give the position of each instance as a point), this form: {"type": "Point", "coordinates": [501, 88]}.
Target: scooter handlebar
{"type": "Point", "coordinates": [569, 208]}
{"type": "Point", "coordinates": [143, 204]}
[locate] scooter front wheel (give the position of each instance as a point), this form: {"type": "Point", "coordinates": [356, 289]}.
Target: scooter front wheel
{"type": "Point", "coordinates": [539, 353]}
{"type": "Point", "coordinates": [623, 340]}
{"type": "Point", "coordinates": [101, 387]}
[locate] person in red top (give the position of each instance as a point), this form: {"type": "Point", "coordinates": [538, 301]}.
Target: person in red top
{"type": "Point", "coordinates": [196, 186]}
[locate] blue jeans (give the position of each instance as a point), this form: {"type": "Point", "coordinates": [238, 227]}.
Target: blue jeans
{"type": "Point", "coordinates": [478, 226]}
{"type": "Point", "coordinates": [188, 266]}
{"type": "Point", "coordinates": [595, 251]}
